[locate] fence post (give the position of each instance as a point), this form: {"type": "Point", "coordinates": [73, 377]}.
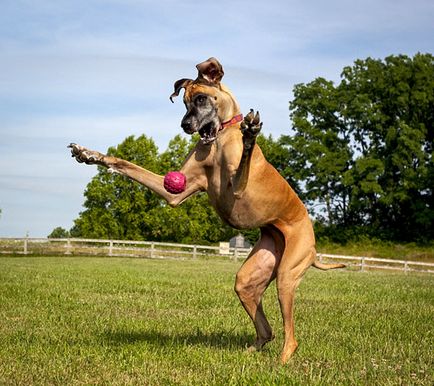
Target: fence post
{"type": "Point", "coordinates": [110, 253]}
{"type": "Point", "coordinates": [152, 250]}
{"type": "Point", "coordinates": [68, 246]}
{"type": "Point", "coordinates": [406, 267]}
{"type": "Point", "coordinates": [194, 251]}
{"type": "Point", "coordinates": [362, 264]}
{"type": "Point", "coordinates": [25, 243]}
{"type": "Point", "coordinates": [235, 253]}
{"type": "Point", "coordinates": [320, 257]}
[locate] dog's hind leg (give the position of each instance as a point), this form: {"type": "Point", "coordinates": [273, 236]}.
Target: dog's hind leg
{"type": "Point", "coordinates": [298, 256]}
{"type": "Point", "coordinates": [250, 127]}
{"type": "Point", "coordinates": [253, 279]}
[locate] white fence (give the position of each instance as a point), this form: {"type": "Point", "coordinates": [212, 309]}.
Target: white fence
{"type": "Point", "coordinates": [150, 249]}
{"type": "Point", "coordinates": [124, 248]}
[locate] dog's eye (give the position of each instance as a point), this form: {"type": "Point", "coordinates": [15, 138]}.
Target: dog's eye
{"type": "Point", "coordinates": [200, 99]}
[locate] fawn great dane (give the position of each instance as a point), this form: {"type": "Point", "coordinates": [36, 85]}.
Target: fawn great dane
{"type": "Point", "coordinates": [245, 190]}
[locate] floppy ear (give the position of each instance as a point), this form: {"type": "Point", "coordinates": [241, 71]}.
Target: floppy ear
{"type": "Point", "coordinates": [210, 70]}
{"type": "Point", "coordinates": [179, 84]}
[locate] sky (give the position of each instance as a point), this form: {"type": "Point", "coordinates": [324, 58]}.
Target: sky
{"type": "Point", "coordinates": [96, 71]}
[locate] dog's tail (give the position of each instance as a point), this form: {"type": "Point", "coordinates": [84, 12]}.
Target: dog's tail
{"type": "Point", "coordinates": [326, 267]}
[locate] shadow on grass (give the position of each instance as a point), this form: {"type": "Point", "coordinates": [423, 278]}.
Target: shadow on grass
{"type": "Point", "coordinates": [222, 339]}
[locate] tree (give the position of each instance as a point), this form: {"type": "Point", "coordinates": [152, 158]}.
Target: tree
{"type": "Point", "coordinates": [393, 122]}
{"type": "Point", "coordinates": [59, 233]}
{"type": "Point", "coordinates": [319, 152]}
{"type": "Point", "coordinates": [363, 149]}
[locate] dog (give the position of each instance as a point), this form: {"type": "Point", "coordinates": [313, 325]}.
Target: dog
{"type": "Point", "coordinates": [245, 190]}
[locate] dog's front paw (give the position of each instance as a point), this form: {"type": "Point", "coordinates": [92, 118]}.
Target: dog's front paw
{"type": "Point", "coordinates": [250, 127]}
{"type": "Point", "coordinates": [81, 154]}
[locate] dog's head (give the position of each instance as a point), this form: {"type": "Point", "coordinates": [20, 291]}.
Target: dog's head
{"type": "Point", "coordinates": [209, 104]}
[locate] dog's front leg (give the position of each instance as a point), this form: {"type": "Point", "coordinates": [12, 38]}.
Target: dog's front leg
{"type": "Point", "coordinates": [250, 127]}
{"type": "Point", "coordinates": [145, 177]}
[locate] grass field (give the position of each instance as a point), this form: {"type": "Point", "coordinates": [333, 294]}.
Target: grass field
{"type": "Point", "coordinates": [74, 321]}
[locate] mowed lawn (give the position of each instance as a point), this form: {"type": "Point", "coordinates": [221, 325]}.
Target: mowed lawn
{"type": "Point", "coordinates": [120, 321]}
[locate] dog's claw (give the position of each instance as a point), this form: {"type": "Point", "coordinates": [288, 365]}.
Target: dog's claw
{"type": "Point", "coordinates": [249, 116]}
{"type": "Point", "coordinates": [257, 119]}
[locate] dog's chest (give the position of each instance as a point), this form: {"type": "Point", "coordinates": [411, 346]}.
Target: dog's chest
{"type": "Point", "coordinates": [239, 215]}
{"type": "Point", "coordinates": [237, 212]}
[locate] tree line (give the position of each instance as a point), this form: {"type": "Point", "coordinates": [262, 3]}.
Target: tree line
{"type": "Point", "coordinates": [359, 154]}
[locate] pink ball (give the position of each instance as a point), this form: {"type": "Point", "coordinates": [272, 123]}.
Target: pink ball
{"type": "Point", "coordinates": [175, 182]}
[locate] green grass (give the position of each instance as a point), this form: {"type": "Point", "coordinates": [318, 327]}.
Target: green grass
{"type": "Point", "coordinates": [75, 321]}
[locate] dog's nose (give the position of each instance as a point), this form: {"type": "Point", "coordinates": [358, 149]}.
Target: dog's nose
{"type": "Point", "coordinates": [186, 125]}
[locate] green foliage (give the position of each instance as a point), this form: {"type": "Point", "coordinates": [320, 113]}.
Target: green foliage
{"type": "Point", "coordinates": [363, 149]}
{"type": "Point", "coordinates": [59, 233]}
{"type": "Point", "coordinates": [118, 208]}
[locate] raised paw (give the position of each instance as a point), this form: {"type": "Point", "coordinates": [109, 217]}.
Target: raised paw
{"type": "Point", "coordinates": [250, 127]}
{"type": "Point", "coordinates": [81, 154]}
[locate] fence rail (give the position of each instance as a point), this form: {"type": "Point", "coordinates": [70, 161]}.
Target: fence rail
{"type": "Point", "coordinates": [151, 249]}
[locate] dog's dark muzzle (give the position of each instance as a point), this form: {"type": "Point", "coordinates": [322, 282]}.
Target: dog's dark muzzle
{"type": "Point", "coordinates": [187, 126]}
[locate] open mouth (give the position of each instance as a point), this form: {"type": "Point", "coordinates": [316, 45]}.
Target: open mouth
{"type": "Point", "coordinates": [208, 133]}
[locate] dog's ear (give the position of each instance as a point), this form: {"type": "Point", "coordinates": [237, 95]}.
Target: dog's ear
{"type": "Point", "coordinates": [211, 70]}
{"type": "Point", "coordinates": [179, 84]}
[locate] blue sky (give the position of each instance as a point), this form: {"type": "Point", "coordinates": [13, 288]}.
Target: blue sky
{"type": "Point", "coordinates": [94, 72]}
